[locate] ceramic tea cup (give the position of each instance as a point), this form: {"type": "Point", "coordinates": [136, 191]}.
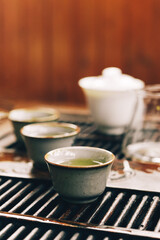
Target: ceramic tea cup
{"type": "Point", "coordinates": [111, 99]}
{"type": "Point", "coordinates": [79, 174]}
{"type": "Point", "coordinates": [40, 138]}
{"type": "Point", "coordinates": [22, 116]}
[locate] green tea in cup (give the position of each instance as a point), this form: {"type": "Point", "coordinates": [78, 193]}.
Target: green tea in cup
{"type": "Point", "coordinates": [79, 173]}
{"type": "Point", "coordinates": [83, 162]}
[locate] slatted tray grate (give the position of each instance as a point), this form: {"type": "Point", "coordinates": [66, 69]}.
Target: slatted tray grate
{"type": "Point", "coordinates": [30, 208]}
{"type": "Point", "coordinates": [128, 209]}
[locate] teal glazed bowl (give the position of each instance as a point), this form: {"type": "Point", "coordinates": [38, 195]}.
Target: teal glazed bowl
{"type": "Point", "coordinates": [40, 138]}
{"type": "Point", "coordinates": [23, 116]}
{"type": "Point", "coordinates": [79, 174]}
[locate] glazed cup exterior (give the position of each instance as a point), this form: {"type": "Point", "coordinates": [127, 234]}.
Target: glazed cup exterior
{"type": "Point", "coordinates": [37, 147]}
{"type": "Point", "coordinates": [80, 184]}
{"type": "Point", "coordinates": [18, 123]}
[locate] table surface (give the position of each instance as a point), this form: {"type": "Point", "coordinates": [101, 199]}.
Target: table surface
{"type": "Point", "coordinates": [139, 176]}
{"type": "Point", "coordinates": [122, 211]}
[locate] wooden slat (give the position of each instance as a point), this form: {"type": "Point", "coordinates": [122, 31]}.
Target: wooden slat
{"type": "Point", "coordinates": [47, 46]}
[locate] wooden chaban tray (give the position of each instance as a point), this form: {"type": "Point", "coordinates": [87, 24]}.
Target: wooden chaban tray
{"type": "Point", "coordinates": [31, 209]}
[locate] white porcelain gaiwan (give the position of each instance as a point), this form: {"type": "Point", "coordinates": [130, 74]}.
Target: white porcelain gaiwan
{"type": "Point", "coordinates": [79, 174]}
{"type": "Point", "coordinates": [112, 99]}
{"type": "Point", "coordinates": [23, 116]}
{"type": "Point", "coordinates": [41, 138]}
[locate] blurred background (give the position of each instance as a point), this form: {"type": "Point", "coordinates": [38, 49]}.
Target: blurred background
{"type": "Point", "coordinates": [46, 46]}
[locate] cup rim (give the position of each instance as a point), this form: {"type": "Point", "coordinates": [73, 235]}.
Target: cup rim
{"type": "Point", "coordinates": [54, 114]}
{"type": "Point", "coordinates": [75, 131]}
{"type": "Point", "coordinates": [80, 167]}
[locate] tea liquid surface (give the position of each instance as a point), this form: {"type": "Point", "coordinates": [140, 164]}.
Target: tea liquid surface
{"type": "Point", "coordinates": [83, 162]}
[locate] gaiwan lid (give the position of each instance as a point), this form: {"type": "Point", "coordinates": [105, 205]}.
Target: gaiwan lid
{"type": "Point", "coordinates": [112, 79]}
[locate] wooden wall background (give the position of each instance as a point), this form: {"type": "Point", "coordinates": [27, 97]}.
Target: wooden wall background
{"type": "Point", "coordinates": [46, 46]}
